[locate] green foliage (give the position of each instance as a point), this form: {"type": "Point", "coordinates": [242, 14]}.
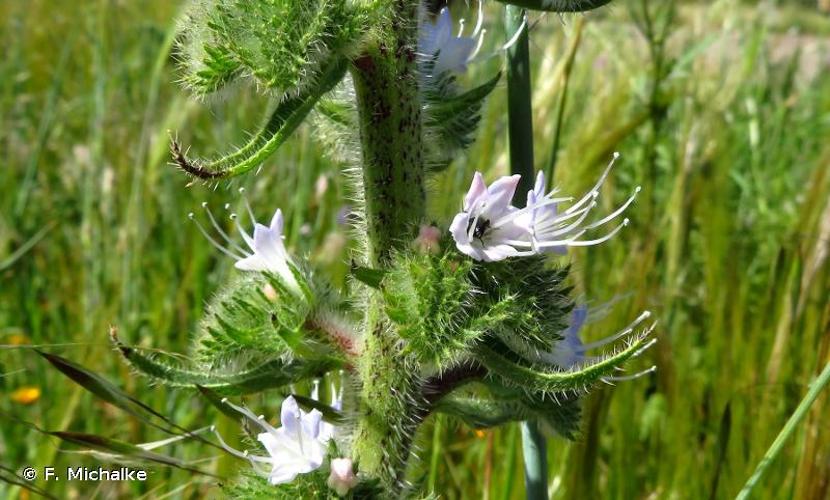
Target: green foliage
{"type": "Point", "coordinates": [281, 44]}
{"type": "Point", "coordinates": [311, 486]}
{"type": "Point", "coordinates": [432, 301]}
{"type": "Point", "coordinates": [558, 5]}
{"type": "Point", "coordinates": [287, 115]}
{"type": "Point", "coordinates": [250, 317]}
{"type": "Point", "coordinates": [540, 300]}
{"type": "Point", "coordinates": [226, 382]}
{"type": "Point", "coordinates": [451, 117]}
{"type": "Point", "coordinates": [561, 415]}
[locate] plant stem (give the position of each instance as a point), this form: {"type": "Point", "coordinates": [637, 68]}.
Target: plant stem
{"type": "Point", "coordinates": [777, 445]}
{"type": "Point", "coordinates": [390, 135]}
{"type": "Point", "coordinates": [519, 117]}
{"type": "Point", "coordinates": [520, 135]}
{"type": "Point", "coordinates": [389, 112]}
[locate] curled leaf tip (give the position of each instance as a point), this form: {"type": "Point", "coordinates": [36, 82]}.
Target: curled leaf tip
{"type": "Point", "coordinates": [191, 167]}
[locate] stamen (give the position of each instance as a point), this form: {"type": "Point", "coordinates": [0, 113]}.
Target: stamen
{"type": "Point", "coordinates": [594, 192]}
{"type": "Point", "coordinates": [460, 28]}
{"type": "Point", "coordinates": [623, 378]}
{"type": "Point", "coordinates": [245, 236]}
{"type": "Point", "coordinates": [315, 390]}
{"type": "Point", "coordinates": [247, 205]}
{"type": "Point", "coordinates": [219, 229]}
{"type": "Point", "coordinates": [516, 35]}
{"type": "Point", "coordinates": [567, 229]}
{"type": "Point", "coordinates": [513, 215]}
{"type": "Point", "coordinates": [248, 413]}
{"type": "Point", "coordinates": [213, 242]}
{"type": "Point", "coordinates": [612, 338]}
{"type": "Point", "coordinates": [480, 18]}
{"type": "Point", "coordinates": [587, 243]}
{"type": "Point", "coordinates": [478, 46]}
{"type": "Point", "coordinates": [616, 212]}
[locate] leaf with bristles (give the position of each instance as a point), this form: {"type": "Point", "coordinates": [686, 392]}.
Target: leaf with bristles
{"type": "Point", "coordinates": [367, 275]}
{"type": "Point", "coordinates": [284, 119]}
{"type": "Point", "coordinates": [534, 377]}
{"type": "Point", "coordinates": [451, 119]}
{"type": "Point", "coordinates": [269, 375]}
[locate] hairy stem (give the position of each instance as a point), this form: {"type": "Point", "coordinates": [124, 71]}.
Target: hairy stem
{"type": "Point", "coordinates": [389, 112]}
{"type": "Point", "coordinates": [390, 135]}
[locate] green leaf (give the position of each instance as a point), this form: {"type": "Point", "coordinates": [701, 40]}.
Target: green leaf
{"type": "Point", "coordinates": [547, 379]}
{"type": "Point", "coordinates": [451, 119]}
{"type": "Point", "coordinates": [284, 119]}
{"type": "Point", "coordinates": [558, 5]}
{"type": "Point", "coordinates": [269, 375]}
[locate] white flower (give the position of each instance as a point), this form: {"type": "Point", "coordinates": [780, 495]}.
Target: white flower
{"type": "Point", "coordinates": [489, 228]}
{"type": "Point", "coordinates": [342, 477]}
{"type": "Point", "coordinates": [448, 51]}
{"type": "Point", "coordinates": [298, 447]}
{"type": "Point", "coordinates": [486, 226]}
{"type": "Point", "coordinates": [266, 249]}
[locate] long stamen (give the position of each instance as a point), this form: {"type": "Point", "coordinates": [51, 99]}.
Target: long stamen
{"type": "Point", "coordinates": [480, 19]}
{"type": "Point", "coordinates": [587, 243]}
{"type": "Point", "coordinates": [247, 205]}
{"type": "Point", "coordinates": [612, 338]}
{"type": "Point", "coordinates": [616, 212]}
{"type": "Point", "coordinates": [567, 229]}
{"type": "Point", "coordinates": [245, 236]}
{"type": "Point", "coordinates": [212, 241]}
{"type": "Point", "coordinates": [516, 35]}
{"type": "Point", "coordinates": [623, 378]}
{"type": "Point", "coordinates": [478, 45]}
{"type": "Point", "coordinates": [259, 419]}
{"type": "Point", "coordinates": [253, 459]}
{"type": "Point", "coordinates": [460, 28]}
{"type": "Point", "coordinates": [513, 215]}
{"type": "Point", "coordinates": [594, 192]}
{"type": "Point", "coordinates": [219, 229]}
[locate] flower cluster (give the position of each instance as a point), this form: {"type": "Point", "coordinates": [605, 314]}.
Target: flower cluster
{"type": "Point", "coordinates": [489, 228]}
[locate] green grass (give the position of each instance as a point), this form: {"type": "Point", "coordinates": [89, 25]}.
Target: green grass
{"type": "Point", "coordinates": [728, 243]}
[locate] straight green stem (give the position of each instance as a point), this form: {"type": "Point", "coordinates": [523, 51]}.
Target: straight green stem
{"type": "Point", "coordinates": [788, 429]}
{"type": "Point", "coordinates": [520, 135]}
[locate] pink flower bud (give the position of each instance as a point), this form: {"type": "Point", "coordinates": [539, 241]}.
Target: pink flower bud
{"type": "Point", "coordinates": [342, 477]}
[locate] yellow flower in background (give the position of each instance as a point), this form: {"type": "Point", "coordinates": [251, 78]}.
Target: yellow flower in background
{"type": "Point", "coordinates": [17, 339]}
{"type": "Point", "coordinates": [26, 395]}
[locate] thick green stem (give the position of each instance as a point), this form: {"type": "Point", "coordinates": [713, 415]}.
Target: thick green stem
{"type": "Point", "coordinates": [390, 135]}
{"type": "Point", "coordinates": [386, 88]}
{"type": "Point", "coordinates": [520, 134]}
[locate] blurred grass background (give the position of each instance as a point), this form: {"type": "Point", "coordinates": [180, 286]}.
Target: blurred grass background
{"type": "Point", "coordinates": [725, 123]}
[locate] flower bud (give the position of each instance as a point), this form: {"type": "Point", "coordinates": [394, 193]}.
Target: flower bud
{"type": "Point", "coordinates": [342, 477]}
